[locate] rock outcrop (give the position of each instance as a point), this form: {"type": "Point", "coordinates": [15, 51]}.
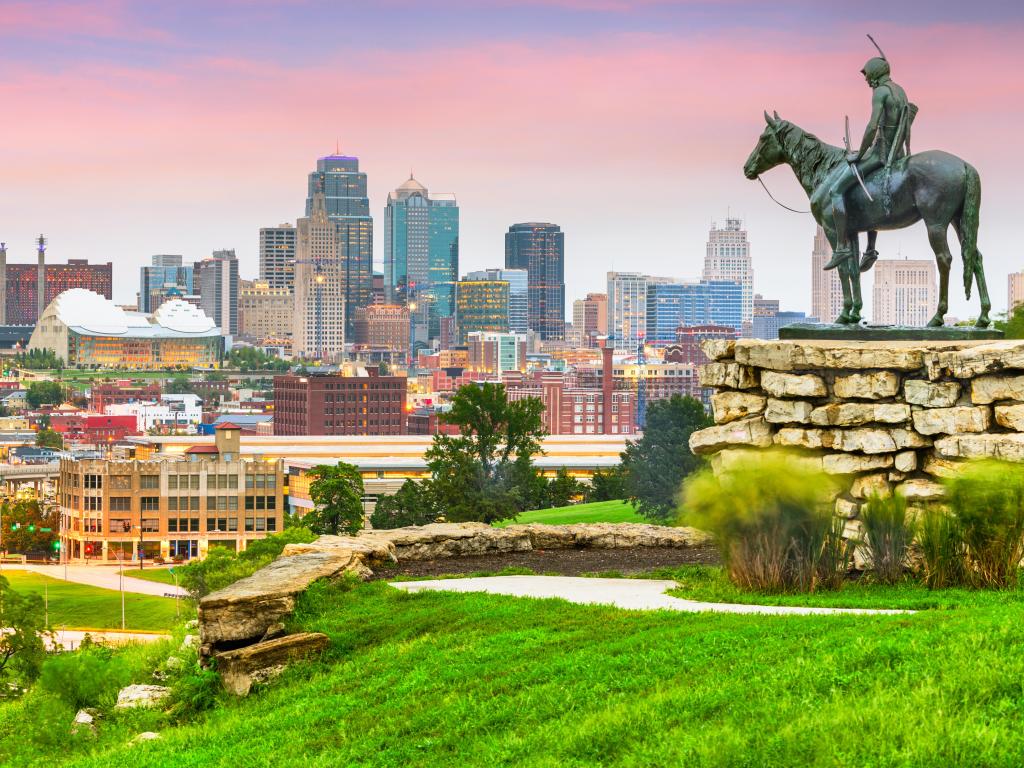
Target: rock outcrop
{"type": "Point", "coordinates": [242, 667]}
{"type": "Point", "coordinates": [141, 696]}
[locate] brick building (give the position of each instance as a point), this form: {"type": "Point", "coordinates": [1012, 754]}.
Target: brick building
{"type": "Point", "coordinates": [120, 392]}
{"type": "Point", "coordinates": [22, 283]}
{"type": "Point", "coordinates": [334, 404]}
{"type": "Point", "coordinates": [93, 428]}
{"type": "Point", "coordinates": [383, 326]}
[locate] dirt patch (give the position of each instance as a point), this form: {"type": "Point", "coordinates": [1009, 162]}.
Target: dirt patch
{"type": "Point", "coordinates": [564, 562]}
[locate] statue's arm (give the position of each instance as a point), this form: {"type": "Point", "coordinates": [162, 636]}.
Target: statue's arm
{"type": "Point", "coordinates": [877, 110]}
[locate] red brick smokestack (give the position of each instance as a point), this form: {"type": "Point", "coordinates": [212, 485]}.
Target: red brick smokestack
{"type": "Point", "coordinates": [607, 350]}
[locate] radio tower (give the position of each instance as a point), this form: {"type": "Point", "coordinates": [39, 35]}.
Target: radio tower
{"type": "Point", "coordinates": [641, 384]}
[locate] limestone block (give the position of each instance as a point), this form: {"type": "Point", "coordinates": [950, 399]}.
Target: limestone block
{"type": "Point", "coordinates": [952, 421]}
{"type": "Point", "coordinates": [802, 355]}
{"type": "Point", "coordinates": [792, 385]}
{"type": "Point", "coordinates": [897, 477]}
{"type": "Point", "coordinates": [873, 385]}
{"type": "Point", "coordinates": [1008, 446]}
{"type": "Point", "coordinates": [242, 667]}
{"type": "Point", "coordinates": [852, 463]}
{"type": "Point", "coordinates": [988, 389]}
{"type": "Point", "coordinates": [938, 394]}
{"type": "Point", "coordinates": [753, 432]}
{"type": "Point", "coordinates": [631, 535]}
{"type": "Point", "coordinates": [718, 349]}
{"type": "Point", "coordinates": [866, 486]}
{"type": "Point", "coordinates": [141, 696]}
{"type": "Point", "coordinates": [729, 406]}
{"type": "Point", "coordinates": [906, 461]}
{"type": "Point", "coordinates": [878, 440]}
{"type": "Point", "coordinates": [727, 376]}
{"type": "Point", "coordinates": [846, 508]}
{"type": "Point", "coordinates": [795, 437]}
{"type": "Point", "coordinates": [918, 489]}
{"type": "Point", "coordinates": [939, 467]}
{"type": "Point", "coordinates": [856, 414]}
{"type": "Point", "coordinates": [787, 411]}
{"type": "Point", "coordinates": [968, 361]}
{"type": "Point", "coordinates": [1010, 416]}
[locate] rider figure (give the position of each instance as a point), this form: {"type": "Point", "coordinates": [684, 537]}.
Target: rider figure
{"type": "Point", "coordinates": [888, 105]}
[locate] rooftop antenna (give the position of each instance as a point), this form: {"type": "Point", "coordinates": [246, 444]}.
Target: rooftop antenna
{"type": "Point", "coordinates": [880, 53]}
{"type": "Point", "coordinates": [337, 146]}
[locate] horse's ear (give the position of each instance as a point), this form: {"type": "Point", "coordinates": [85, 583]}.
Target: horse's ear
{"type": "Point", "coordinates": [776, 115]}
{"type": "Point", "coordinates": [767, 117]}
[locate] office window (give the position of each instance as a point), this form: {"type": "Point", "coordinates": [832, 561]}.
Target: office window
{"type": "Point", "coordinates": [149, 482]}
{"type": "Point", "coordinates": [120, 503]}
{"type": "Point", "coordinates": [150, 503]}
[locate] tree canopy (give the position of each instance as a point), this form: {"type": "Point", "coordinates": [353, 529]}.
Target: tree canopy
{"type": "Point", "coordinates": [22, 643]}
{"type": "Point", "coordinates": [23, 523]}
{"type": "Point", "coordinates": [655, 466]}
{"type": "Point", "coordinates": [254, 359]}
{"type": "Point", "coordinates": [411, 505]}
{"type": "Point", "coordinates": [49, 438]}
{"type": "Point", "coordinates": [44, 393]}
{"type": "Point", "coordinates": [337, 493]}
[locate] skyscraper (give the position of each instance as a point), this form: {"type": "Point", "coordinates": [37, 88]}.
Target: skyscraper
{"type": "Point", "coordinates": [671, 305]}
{"type": "Point", "coordinates": [518, 294]}
{"type": "Point", "coordinates": [321, 278]}
{"type": "Point", "coordinates": [217, 281]}
{"type": "Point", "coordinates": [346, 205]}
{"type": "Point", "coordinates": [826, 292]}
{"type": "Point", "coordinates": [481, 305]}
{"type": "Point", "coordinates": [540, 250]}
{"type": "Point", "coordinates": [1014, 291]}
{"type": "Point", "coordinates": [277, 256]}
{"type": "Point", "coordinates": [627, 309]}
{"type": "Point", "coordinates": [728, 258]}
{"type": "Point", "coordinates": [166, 275]}
{"type": "Point", "coordinates": [905, 292]}
{"type": "Point", "coordinates": [26, 286]}
{"type": "Point", "coordinates": [590, 318]}
{"type": "Point", "coordinates": [421, 250]}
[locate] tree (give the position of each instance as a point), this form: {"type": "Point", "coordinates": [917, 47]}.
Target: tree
{"type": "Point", "coordinates": [22, 643]}
{"type": "Point", "coordinates": [23, 523]}
{"type": "Point", "coordinates": [1013, 323]}
{"type": "Point", "coordinates": [49, 438]}
{"type": "Point", "coordinates": [38, 360]}
{"type": "Point", "coordinates": [253, 359]}
{"type": "Point", "coordinates": [654, 467]}
{"type": "Point", "coordinates": [486, 473]}
{"type": "Point", "coordinates": [607, 485]}
{"type": "Point", "coordinates": [337, 493]}
{"type": "Point", "coordinates": [563, 489]}
{"type": "Point", "coordinates": [44, 393]}
{"type": "Point", "coordinates": [411, 505]}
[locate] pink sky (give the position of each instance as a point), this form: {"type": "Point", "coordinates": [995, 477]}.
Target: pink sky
{"type": "Point", "coordinates": [135, 138]}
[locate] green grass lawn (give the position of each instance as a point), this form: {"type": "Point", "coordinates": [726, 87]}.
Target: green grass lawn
{"type": "Point", "coordinates": [437, 679]}
{"type": "Point", "coordinates": [161, 575]}
{"type": "Point", "coordinates": [79, 606]}
{"type": "Point", "coordinates": [596, 512]}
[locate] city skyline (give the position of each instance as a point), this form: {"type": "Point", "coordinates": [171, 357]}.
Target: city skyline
{"type": "Point", "coordinates": [179, 108]}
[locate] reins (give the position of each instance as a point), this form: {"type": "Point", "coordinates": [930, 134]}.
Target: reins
{"type": "Point", "coordinates": [783, 205]}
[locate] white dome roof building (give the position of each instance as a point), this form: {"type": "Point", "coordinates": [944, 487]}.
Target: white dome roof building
{"type": "Point", "coordinates": [87, 330]}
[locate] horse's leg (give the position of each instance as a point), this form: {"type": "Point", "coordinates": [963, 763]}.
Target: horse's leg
{"type": "Point", "coordinates": [844, 283]}
{"type": "Point", "coordinates": [940, 245]}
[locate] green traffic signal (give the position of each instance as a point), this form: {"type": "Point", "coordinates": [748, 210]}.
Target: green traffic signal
{"type": "Point", "coordinates": [56, 546]}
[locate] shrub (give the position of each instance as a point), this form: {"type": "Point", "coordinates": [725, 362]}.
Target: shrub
{"type": "Point", "coordinates": [83, 678]}
{"type": "Point", "coordinates": [943, 555]}
{"type": "Point", "coordinates": [836, 554]}
{"type": "Point", "coordinates": [987, 498]}
{"type": "Point", "coordinates": [771, 519]}
{"type": "Point", "coordinates": [888, 533]}
{"type": "Point", "coordinates": [411, 505]}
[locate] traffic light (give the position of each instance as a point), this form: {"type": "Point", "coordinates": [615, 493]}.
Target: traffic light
{"type": "Point", "coordinates": [31, 529]}
{"type": "Point", "coordinates": [15, 526]}
{"type": "Point", "coordinates": [56, 546]}
{"type": "Point", "coordinates": [88, 549]}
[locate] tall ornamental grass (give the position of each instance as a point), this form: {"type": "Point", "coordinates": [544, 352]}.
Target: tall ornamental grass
{"type": "Point", "coordinates": [772, 520]}
{"type": "Point", "coordinates": [987, 498]}
{"type": "Point", "coordinates": [888, 533]}
{"type": "Point", "coordinates": [943, 553]}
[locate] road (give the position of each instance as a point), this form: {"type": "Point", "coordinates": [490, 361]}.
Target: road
{"type": "Point", "coordinates": [100, 576]}
{"type": "Point", "coordinates": [70, 639]}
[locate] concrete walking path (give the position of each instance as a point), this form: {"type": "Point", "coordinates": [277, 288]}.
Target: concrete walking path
{"type": "Point", "coordinates": [70, 639]}
{"type": "Point", "coordinates": [633, 594]}
{"type": "Point", "coordinates": [100, 576]}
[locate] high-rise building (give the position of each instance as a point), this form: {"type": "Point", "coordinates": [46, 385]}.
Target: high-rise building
{"type": "Point", "coordinates": [1014, 291]}
{"type": "Point", "coordinates": [496, 352]}
{"type": "Point", "coordinates": [320, 279]}
{"type": "Point", "coordinates": [347, 206]}
{"type": "Point", "coordinates": [24, 281]}
{"type": "Point", "coordinates": [826, 291]}
{"type": "Point", "coordinates": [540, 250]}
{"type": "Point", "coordinates": [671, 305]}
{"type": "Point", "coordinates": [333, 404]}
{"type": "Point", "coordinates": [481, 305]}
{"type": "Point", "coordinates": [277, 256]}
{"type": "Point", "coordinates": [217, 281]}
{"type": "Point", "coordinates": [166, 276]}
{"type": "Point", "coordinates": [728, 258]}
{"type": "Point", "coordinates": [627, 308]}
{"type": "Point", "coordinates": [905, 292]}
{"type": "Point", "coordinates": [265, 312]}
{"type": "Point", "coordinates": [518, 294]}
{"type": "Point", "coordinates": [421, 250]}
{"type": "Point", "coordinates": [590, 318]}
{"type": "Point", "coordinates": [383, 327]}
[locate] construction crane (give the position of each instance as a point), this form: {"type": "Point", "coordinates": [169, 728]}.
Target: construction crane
{"type": "Point", "coordinates": [641, 383]}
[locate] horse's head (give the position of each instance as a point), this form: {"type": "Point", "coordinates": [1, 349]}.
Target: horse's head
{"type": "Point", "coordinates": [769, 152]}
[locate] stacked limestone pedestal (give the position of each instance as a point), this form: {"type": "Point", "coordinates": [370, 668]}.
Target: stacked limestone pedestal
{"type": "Point", "coordinates": [880, 416]}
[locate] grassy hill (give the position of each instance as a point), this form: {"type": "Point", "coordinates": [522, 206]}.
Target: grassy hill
{"type": "Point", "coordinates": [473, 680]}
{"type": "Point", "coordinates": [595, 512]}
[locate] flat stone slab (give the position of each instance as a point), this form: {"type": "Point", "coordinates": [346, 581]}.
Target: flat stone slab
{"type": "Point", "coordinates": [886, 332]}
{"type": "Point", "coordinates": [632, 594]}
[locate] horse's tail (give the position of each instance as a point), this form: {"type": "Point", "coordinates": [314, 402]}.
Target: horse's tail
{"type": "Point", "coordinates": [969, 225]}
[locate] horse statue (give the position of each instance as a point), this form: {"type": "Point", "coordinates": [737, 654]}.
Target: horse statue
{"type": "Point", "coordinates": [937, 187]}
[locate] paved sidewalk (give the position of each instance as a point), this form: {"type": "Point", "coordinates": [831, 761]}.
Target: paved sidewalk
{"type": "Point", "coordinates": [70, 639]}
{"type": "Point", "coordinates": [634, 594]}
{"type": "Point", "coordinates": [100, 576]}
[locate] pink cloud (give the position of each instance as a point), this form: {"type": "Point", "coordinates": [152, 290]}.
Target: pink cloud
{"type": "Point", "coordinates": [110, 19]}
